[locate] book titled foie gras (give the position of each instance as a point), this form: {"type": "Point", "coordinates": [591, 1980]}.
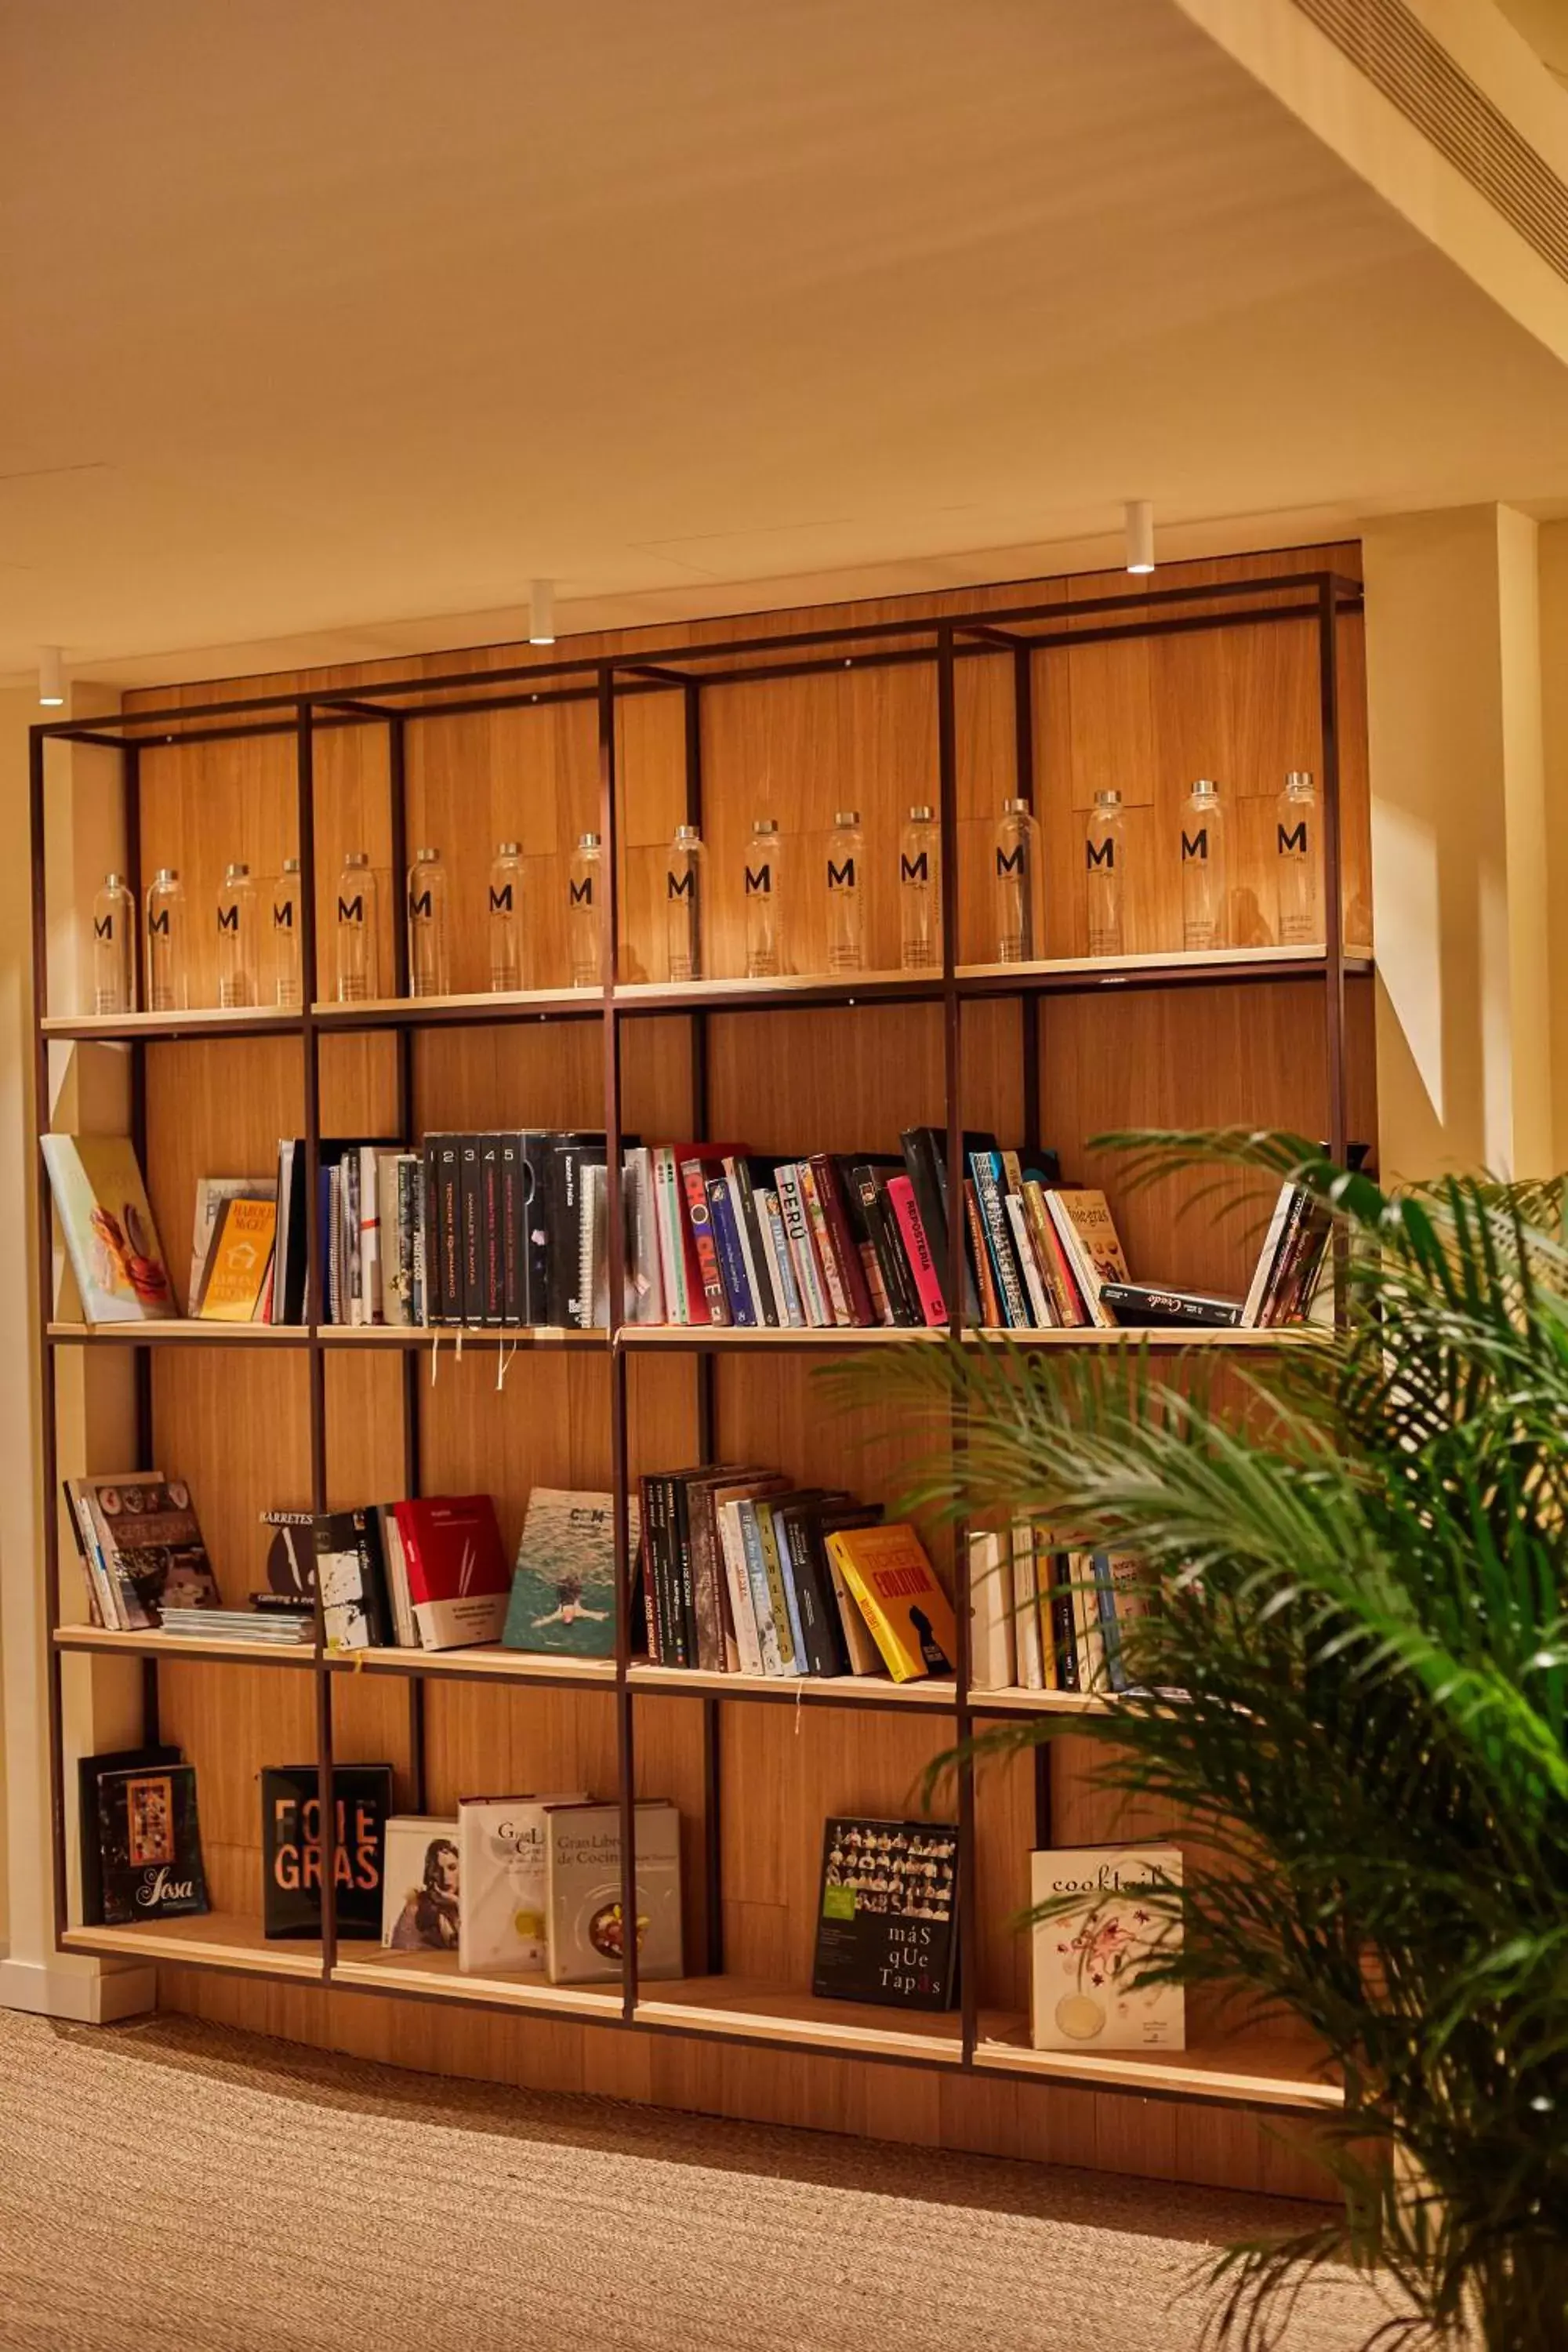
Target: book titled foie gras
{"type": "Point", "coordinates": [291, 1848]}
{"type": "Point", "coordinates": [149, 1845]}
{"type": "Point", "coordinates": [887, 1920]}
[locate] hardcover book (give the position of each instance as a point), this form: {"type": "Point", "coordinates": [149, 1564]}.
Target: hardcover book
{"type": "Point", "coordinates": [909, 1615]}
{"type": "Point", "coordinates": [291, 1848]}
{"type": "Point", "coordinates": [583, 1885]}
{"type": "Point", "coordinates": [564, 1586]}
{"type": "Point", "coordinates": [501, 1860]}
{"type": "Point", "coordinates": [886, 1926]}
{"type": "Point", "coordinates": [1146, 1303]}
{"type": "Point", "coordinates": [148, 1545]}
{"type": "Point", "coordinates": [109, 1236]}
{"type": "Point", "coordinates": [457, 1570]}
{"type": "Point", "coordinates": [90, 1770]}
{"type": "Point", "coordinates": [354, 1610]}
{"type": "Point", "coordinates": [421, 1885]}
{"type": "Point", "coordinates": [1115, 1911]}
{"type": "Point", "coordinates": [236, 1275]}
{"type": "Point", "coordinates": [149, 1845]}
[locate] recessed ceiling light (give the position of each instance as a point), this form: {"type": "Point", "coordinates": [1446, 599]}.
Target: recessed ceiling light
{"type": "Point", "coordinates": [51, 689]}
{"type": "Point", "coordinates": [541, 614]}
{"type": "Point", "coordinates": [1140, 535]}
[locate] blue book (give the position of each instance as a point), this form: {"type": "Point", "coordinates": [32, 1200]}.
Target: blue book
{"type": "Point", "coordinates": [791, 1307]}
{"type": "Point", "coordinates": [761, 1602]}
{"type": "Point", "coordinates": [732, 1260]}
{"type": "Point", "coordinates": [776, 1557]}
{"type": "Point", "coordinates": [985, 1167]}
{"type": "Point", "coordinates": [1110, 1628]}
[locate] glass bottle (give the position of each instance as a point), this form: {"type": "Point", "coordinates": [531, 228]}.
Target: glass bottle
{"type": "Point", "coordinates": [287, 990]}
{"type": "Point", "coordinates": [919, 892]}
{"type": "Point", "coordinates": [1295, 848]}
{"type": "Point", "coordinates": [238, 943]}
{"type": "Point", "coordinates": [168, 949]}
{"type": "Point", "coordinates": [1017, 875]}
{"type": "Point", "coordinates": [683, 904]}
{"type": "Point", "coordinates": [845, 899]}
{"type": "Point", "coordinates": [1105, 842]}
{"type": "Point", "coordinates": [1204, 891]}
{"type": "Point", "coordinates": [585, 913]}
{"type": "Point", "coordinates": [506, 917]}
{"type": "Point", "coordinates": [114, 947]}
{"type": "Point", "coordinates": [763, 901]}
{"type": "Point", "coordinates": [357, 930]}
{"type": "Point", "coordinates": [429, 968]}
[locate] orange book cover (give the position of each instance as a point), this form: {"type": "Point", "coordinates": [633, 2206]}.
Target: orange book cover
{"type": "Point", "coordinates": [238, 1261]}
{"type": "Point", "coordinates": [896, 1589]}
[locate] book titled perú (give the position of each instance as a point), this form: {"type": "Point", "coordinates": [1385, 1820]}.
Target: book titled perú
{"type": "Point", "coordinates": [886, 1923]}
{"type": "Point", "coordinates": [1115, 1913]}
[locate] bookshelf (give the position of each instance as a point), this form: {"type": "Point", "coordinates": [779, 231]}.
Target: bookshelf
{"type": "Point", "coordinates": [1240, 670]}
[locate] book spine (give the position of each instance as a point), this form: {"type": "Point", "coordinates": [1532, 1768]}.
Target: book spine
{"type": "Point", "coordinates": [1064, 1642]}
{"type": "Point", "coordinates": [781, 1264]}
{"type": "Point", "coordinates": [537, 1161]}
{"type": "Point", "coordinates": [986, 1173]}
{"type": "Point", "coordinates": [732, 1262]}
{"type": "Point", "coordinates": [1040, 1313]}
{"type": "Point", "coordinates": [1085, 1279]}
{"type": "Point", "coordinates": [802, 1248]}
{"type": "Point", "coordinates": [887, 1241]}
{"type": "Point", "coordinates": [852, 1273]}
{"type": "Point", "coordinates": [647, 1568]}
{"type": "Point", "coordinates": [1109, 1630]}
{"type": "Point", "coordinates": [667, 1615]}
{"type": "Point", "coordinates": [645, 1259]}
{"type": "Point", "coordinates": [471, 1211]}
{"type": "Point", "coordinates": [667, 1201]}
{"type": "Point", "coordinates": [700, 1225]}
{"type": "Point", "coordinates": [742, 1610]}
{"type": "Point", "coordinates": [769, 1639]}
{"type": "Point", "coordinates": [821, 1632]}
{"type": "Point", "coordinates": [1257, 1288]}
{"type": "Point", "coordinates": [925, 1156]}
{"type": "Point", "coordinates": [751, 1245]}
{"type": "Point", "coordinates": [492, 1235]}
{"type": "Point", "coordinates": [837, 1297]}
{"type": "Point", "coordinates": [1139, 1302]}
{"type": "Point", "coordinates": [451, 1221]}
{"type": "Point", "coordinates": [1056, 1273]}
{"type": "Point", "coordinates": [917, 1251]}
{"type": "Point", "coordinates": [782, 1597]}
{"type": "Point", "coordinates": [990, 1304]}
{"type": "Point", "coordinates": [712, 1652]}
{"type": "Point", "coordinates": [685, 1577]}
{"type": "Point", "coordinates": [513, 1240]}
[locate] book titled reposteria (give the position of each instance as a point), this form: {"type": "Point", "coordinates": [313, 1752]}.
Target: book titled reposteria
{"type": "Point", "coordinates": [149, 1845]}
{"type": "Point", "coordinates": [887, 1924]}
{"type": "Point", "coordinates": [291, 1848]}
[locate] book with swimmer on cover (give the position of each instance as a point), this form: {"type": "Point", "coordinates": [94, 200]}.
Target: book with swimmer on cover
{"type": "Point", "coordinates": [564, 1585]}
{"type": "Point", "coordinates": [1116, 1912]}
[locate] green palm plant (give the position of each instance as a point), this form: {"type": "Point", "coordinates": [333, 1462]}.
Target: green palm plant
{"type": "Point", "coordinates": [1361, 1581]}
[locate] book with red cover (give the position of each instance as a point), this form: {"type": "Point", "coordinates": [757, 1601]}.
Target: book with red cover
{"type": "Point", "coordinates": [694, 1164]}
{"type": "Point", "coordinates": [917, 1249]}
{"type": "Point", "coordinates": [458, 1580]}
{"type": "Point", "coordinates": [841, 1233]}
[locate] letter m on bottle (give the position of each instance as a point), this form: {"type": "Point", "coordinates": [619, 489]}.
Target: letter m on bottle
{"type": "Point", "coordinates": [500, 901]}
{"type": "Point", "coordinates": [1293, 842]}
{"type": "Point", "coordinates": [1195, 844]}
{"type": "Point", "coordinates": [681, 885]}
{"type": "Point", "coordinates": [914, 869]}
{"type": "Point", "coordinates": [103, 928]}
{"type": "Point", "coordinates": [1010, 861]}
{"type": "Point", "coordinates": [580, 893]}
{"type": "Point", "coordinates": [419, 904]}
{"type": "Point", "coordinates": [351, 911]}
{"type": "Point", "coordinates": [228, 918]}
{"type": "Point", "coordinates": [760, 883]}
{"type": "Point", "coordinates": [1105, 854]}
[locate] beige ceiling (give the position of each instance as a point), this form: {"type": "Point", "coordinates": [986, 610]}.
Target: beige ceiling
{"type": "Point", "coordinates": [331, 325]}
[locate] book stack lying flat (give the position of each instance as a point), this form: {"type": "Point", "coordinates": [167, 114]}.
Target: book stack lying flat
{"type": "Point", "coordinates": [262, 1628]}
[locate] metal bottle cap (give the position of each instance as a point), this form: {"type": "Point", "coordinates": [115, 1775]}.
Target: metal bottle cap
{"type": "Point", "coordinates": [508, 849]}
{"type": "Point", "coordinates": [167, 874]}
{"type": "Point", "coordinates": [425, 856]}
{"type": "Point", "coordinates": [114, 881]}
{"type": "Point", "coordinates": [1300, 780]}
{"type": "Point", "coordinates": [1206, 789]}
{"type": "Point", "coordinates": [587, 841]}
{"type": "Point", "coordinates": [1108, 798]}
{"type": "Point", "coordinates": [1015, 808]}
{"type": "Point", "coordinates": [687, 832]}
{"type": "Point", "coordinates": [920, 815]}
{"type": "Point", "coordinates": [357, 857]}
{"type": "Point", "coordinates": [238, 873]}
{"type": "Point", "coordinates": [290, 866]}
{"type": "Point", "coordinates": [846, 817]}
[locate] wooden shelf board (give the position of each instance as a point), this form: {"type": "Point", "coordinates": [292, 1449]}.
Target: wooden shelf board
{"type": "Point", "coordinates": [725, 1337]}
{"type": "Point", "coordinates": [196, 1020]}
{"type": "Point", "coordinates": [1253, 2074]}
{"type": "Point", "coordinates": [487, 1662]}
{"type": "Point", "coordinates": [734, 2006]}
{"type": "Point", "coordinates": [452, 1335]}
{"type": "Point", "coordinates": [436, 1974]}
{"type": "Point", "coordinates": [183, 1647]}
{"type": "Point", "coordinates": [1215, 964]}
{"type": "Point", "coordinates": [737, 993]}
{"type": "Point", "coordinates": [163, 1331]}
{"type": "Point", "coordinates": [832, 1690]}
{"type": "Point", "coordinates": [222, 1939]}
{"type": "Point", "coordinates": [710, 1336]}
{"type": "Point", "coordinates": [478, 1006]}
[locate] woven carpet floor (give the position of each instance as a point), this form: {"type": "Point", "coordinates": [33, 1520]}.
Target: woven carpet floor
{"type": "Point", "coordinates": [172, 2185]}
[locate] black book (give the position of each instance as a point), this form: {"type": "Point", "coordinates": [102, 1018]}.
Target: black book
{"type": "Point", "coordinates": [291, 1279]}
{"type": "Point", "coordinates": [291, 1848]}
{"type": "Point", "coordinates": [492, 1272]}
{"type": "Point", "coordinates": [748, 1176]}
{"type": "Point", "coordinates": [471, 1211]}
{"type": "Point", "coordinates": [569, 1155]}
{"type": "Point", "coordinates": [681, 1550]}
{"type": "Point", "coordinates": [450, 1213]}
{"type": "Point", "coordinates": [538, 1148]}
{"type": "Point", "coordinates": [149, 1845]}
{"type": "Point", "coordinates": [925, 1157]}
{"type": "Point", "coordinates": [887, 1922]}
{"type": "Point", "coordinates": [90, 1771]}
{"type": "Point", "coordinates": [356, 1613]}
{"type": "Point", "coordinates": [1064, 1631]}
{"type": "Point", "coordinates": [821, 1631]}
{"type": "Point", "coordinates": [434, 1263]}
{"type": "Point", "coordinates": [512, 1230]}
{"type": "Point", "coordinates": [869, 1191]}
{"type": "Point", "coordinates": [1141, 1303]}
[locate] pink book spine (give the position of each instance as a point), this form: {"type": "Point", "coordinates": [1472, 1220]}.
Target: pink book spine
{"type": "Point", "coordinates": [901, 1193]}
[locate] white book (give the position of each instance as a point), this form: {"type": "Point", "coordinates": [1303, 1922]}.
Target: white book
{"type": "Point", "coordinates": [1084, 1271]}
{"type": "Point", "coordinates": [1257, 1288]}
{"type": "Point", "coordinates": [1088, 1638]}
{"type": "Point", "coordinates": [582, 1874]}
{"type": "Point", "coordinates": [370, 1233]}
{"type": "Point", "coordinates": [1039, 1305]}
{"type": "Point", "coordinates": [501, 1849]}
{"type": "Point", "coordinates": [671, 1238]}
{"type": "Point", "coordinates": [1027, 1646]}
{"type": "Point", "coordinates": [645, 1269]}
{"type": "Point", "coordinates": [780, 1265]}
{"type": "Point", "coordinates": [1116, 1918]}
{"type": "Point", "coordinates": [593, 1248]}
{"type": "Point", "coordinates": [405, 1624]}
{"type": "Point", "coordinates": [992, 1649]}
{"type": "Point", "coordinates": [732, 1545]}
{"type": "Point", "coordinates": [420, 1884]}
{"type": "Point", "coordinates": [395, 1275]}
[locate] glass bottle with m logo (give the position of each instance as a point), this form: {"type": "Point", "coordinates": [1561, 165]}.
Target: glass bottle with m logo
{"type": "Point", "coordinates": [1016, 880]}
{"type": "Point", "coordinates": [238, 942]}
{"type": "Point", "coordinates": [845, 896]}
{"type": "Point", "coordinates": [287, 963]}
{"type": "Point", "coordinates": [919, 892]}
{"type": "Point", "coordinates": [506, 918]}
{"type": "Point", "coordinates": [357, 930]}
{"type": "Point", "coordinates": [1204, 891]}
{"type": "Point", "coordinates": [763, 901]}
{"type": "Point", "coordinates": [114, 947]}
{"type": "Point", "coordinates": [1296, 856]}
{"type": "Point", "coordinates": [585, 912]}
{"type": "Point", "coordinates": [429, 970]}
{"type": "Point", "coordinates": [683, 904]}
{"type": "Point", "coordinates": [1104, 854]}
{"type": "Point", "coordinates": [168, 963]}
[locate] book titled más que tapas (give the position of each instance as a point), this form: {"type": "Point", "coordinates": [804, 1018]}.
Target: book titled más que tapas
{"type": "Point", "coordinates": [887, 1922]}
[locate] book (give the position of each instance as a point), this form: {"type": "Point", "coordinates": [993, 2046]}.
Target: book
{"type": "Point", "coordinates": [212, 1192]}
{"type": "Point", "coordinates": [802, 1247]}
{"type": "Point", "coordinates": [290, 1569]}
{"type": "Point", "coordinates": [585, 1929]}
{"type": "Point", "coordinates": [502, 1865]}
{"type": "Point", "coordinates": [238, 1265]}
{"type": "Point", "coordinates": [700, 1215]}
{"type": "Point", "coordinates": [421, 1885]}
{"type": "Point", "coordinates": [992, 1641]}
{"type": "Point", "coordinates": [90, 1771]}
{"type": "Point", "coordinates": [1088, 1956]}
{"type": "Point", "coordinates": [564, 1583]}
{"type": "Point", "coordinates": [1123, 1600]}
{"type": "Point", "coordinates": [1143, 1303]}
{"type": "Point", "coordinates": [395, 1564]}
{"type": "Point", "coordinates": [350, 1579]}
{"type": "Point", "coordinates": [1091, 1244]}
{"type": "Point", "coordinates": [865, 1657]}
{"type": "Point", "coordinates": [1056, 1271]}
{"type": "Point", "coordinates": [291, 1848]}
{"type": "Point", "coordinates": [895, 1586]}
{"type": "Point", "coordinates": [456, 1572]}
{"type": "Point", "coordinates": [1258, 1289]}
{"type": "Point", "coordinates": [109, 1236]}
{"type": "Point", "coordinates": [149, 1845]}
{"type": "Point", "coordinates": [149, 1544]}
{"type": "Point", "coordinates": [996, 1239]}
{"type": "Point", "coordinates": [917, 1249]}
{"type": "Point", "coordinates": [725, 1228]}
{"type": "Point", "coordinates": [1029, 1647]}
{"type": "Point", "coordinates": [886, 1924]}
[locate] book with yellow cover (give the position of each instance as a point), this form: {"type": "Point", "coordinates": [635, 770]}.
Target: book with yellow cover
{"type": "Point", "coordinates": [235, 1281]}
{"type": "Point", "coordinates": [896, 1587]}
{"type": "Point", "coordinates": [109, 1236]}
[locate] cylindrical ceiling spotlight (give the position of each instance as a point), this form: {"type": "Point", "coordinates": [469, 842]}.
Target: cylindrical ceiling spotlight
{"type": "Point", "coordinates": [1140, 535]}
{"type": "Point", "coordinates": [51, 684]}
{"type": "Point", "coordinates": [542, 612]}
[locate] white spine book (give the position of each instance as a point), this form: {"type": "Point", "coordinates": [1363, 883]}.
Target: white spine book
{"type": "Point", "coordinates": [992, 1646]}
{"type": "Point", "coordinates": [1040, 1307]}
{"type": "Point", "coordinates": [502, 1844]}
{"type": "Point", "coordinates": [1027, 1610]}
{"type": "Point", "coordinates": [731, 1543]}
